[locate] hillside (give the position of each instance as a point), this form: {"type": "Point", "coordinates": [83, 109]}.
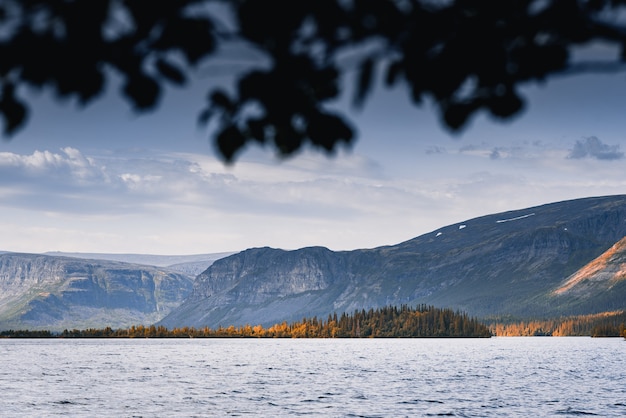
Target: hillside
{"type": "Point", "coordinates": [39, 291]}
{"type": "Point", "coordinates": [508, 263]}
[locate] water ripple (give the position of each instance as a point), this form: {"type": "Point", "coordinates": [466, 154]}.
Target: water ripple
{"type": "Point", "coordinates": [335, 378]}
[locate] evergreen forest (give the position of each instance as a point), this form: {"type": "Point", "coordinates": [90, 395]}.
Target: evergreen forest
{"type": "Point", "coordinates": [604, 324]}
{"type": "Point", "coordinates": [387, 322]}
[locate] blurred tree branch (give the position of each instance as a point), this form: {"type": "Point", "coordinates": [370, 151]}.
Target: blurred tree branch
{"type": "Point", "coordinates": [465, 55]}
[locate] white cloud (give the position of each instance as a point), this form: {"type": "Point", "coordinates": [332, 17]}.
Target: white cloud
{"type": "Point", "coordinates": [145, 201]}
{"type": "Point", "coordinates": [46, 167]}
{"type": "Point", "coordinates": [192, 195]}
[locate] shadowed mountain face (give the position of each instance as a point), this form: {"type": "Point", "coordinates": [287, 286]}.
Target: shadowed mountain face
{"type": "Point", "coordinates": [509, 263]}
{"type": "Point", "coordinates": [39, 291]}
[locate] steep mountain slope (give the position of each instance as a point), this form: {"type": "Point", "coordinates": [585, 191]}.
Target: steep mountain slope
{"type": "Point", "coordinates": [39, 291]}
{"type": "Point", "coordinates": [508, 263]}
{"type": "Point", "coordinates": [601, 282]}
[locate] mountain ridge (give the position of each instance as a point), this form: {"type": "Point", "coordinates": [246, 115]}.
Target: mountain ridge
{"type": "Point", "coordinates": [505, 263]}
{"type": "Point", "coordinates": [189, 264]}
{"type": "Point", "coordinates": [511, 263]}
{"type": "Point", "coordinates": [39, 291]}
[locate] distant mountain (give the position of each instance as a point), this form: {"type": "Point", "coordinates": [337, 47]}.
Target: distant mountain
{"type": "Point", "coordinates": [525, 263]}
{"type": "Point", "coordinates": [39, 291]}
{"type": "Point", "coordinates": [189, 264]}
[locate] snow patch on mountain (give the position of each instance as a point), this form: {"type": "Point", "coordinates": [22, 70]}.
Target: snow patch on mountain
{"type": "Point", "coordinates": [517, 218]}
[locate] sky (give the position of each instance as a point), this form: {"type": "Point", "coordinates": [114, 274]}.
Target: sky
{"type": "Point", "coordinates": [103, 179]}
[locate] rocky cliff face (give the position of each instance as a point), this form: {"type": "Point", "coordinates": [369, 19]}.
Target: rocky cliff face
{"type": "Point", "coordinates": [270, 273]}
{"type": "Point", "coordinates": [39, 291]}
{"type": "Point", "coordinates": [508, 263]}
{"type": "Point", "coordinates": [260, 283]}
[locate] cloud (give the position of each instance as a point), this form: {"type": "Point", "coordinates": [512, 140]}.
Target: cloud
{"type": "Point", "coordinates": [495, 154]}
{"type": "Point", "coordinates": [48, 167]}
{"type": "Point", "coordinates": [592, 147]}
{"type": "Point", "coordinates": [137, 183]}
{"type": "Point", "coordinates": [435, 150]}
{"type": "Point", "coordinates": [150, 201]}
{"type": "Point", "coordinates": [487, 150]}
{"type": "Point", "coordinates": [153, 201]}
{"type": "Point", "coordinates": [469, 148]}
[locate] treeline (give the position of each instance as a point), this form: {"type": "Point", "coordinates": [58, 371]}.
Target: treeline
{"type": "Point", "coordinates": [606, 324]}
{"type": "Point", "coordinates": [24, 333]}
{"type": "Point", "coordinates": [403, 321]}
{"type": "Point", "coordinates": [388, 322]}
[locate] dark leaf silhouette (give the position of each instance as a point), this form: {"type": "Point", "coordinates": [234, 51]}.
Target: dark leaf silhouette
{"type": "Point", "coordinates": [170, 72]}
{"type": "Point", "coordinates": [229, 141]}
{"type": "Point", "coordinates": [142, 91]}
{"type": "Point", "coordinates": [14, 112]}
{"type": "Point", "coordinates": [366, 73]}
{"type": "Point", "coordinates": [465, 56]}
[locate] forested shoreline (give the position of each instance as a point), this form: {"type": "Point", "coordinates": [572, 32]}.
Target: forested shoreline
{"type": "Point", "coordinates": [604, 324]}
{"type": "Point", "coordinates": [388, 322]}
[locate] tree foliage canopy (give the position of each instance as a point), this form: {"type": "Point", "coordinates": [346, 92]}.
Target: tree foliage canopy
{"type": "Point", "coordinates": [464, 55]}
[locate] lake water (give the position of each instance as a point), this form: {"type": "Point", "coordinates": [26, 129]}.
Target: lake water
{"type": "Point", "coordinates": [330, 378]}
